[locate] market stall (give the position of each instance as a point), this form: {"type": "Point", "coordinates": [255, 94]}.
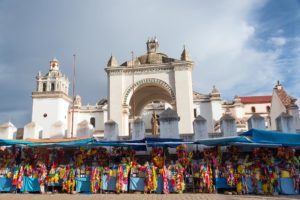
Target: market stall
{"type": "Point", "coordinates": [257, 162]}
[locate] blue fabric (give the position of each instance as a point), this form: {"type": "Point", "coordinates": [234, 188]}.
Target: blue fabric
{"type": "Point", "coordinates": [251, 189]}
{"type": "Point", "coordinates": [171, 187]}
{"type": "Point", "coordinates": [160, 185]}
{"type": "Point", "coordinates": [164, 142]}
{"type": "Point", "coordinates": [14, 142]}
{"type": "Point", "coordinates": [6, 186]}
{"type": "Point", "coordinates": [138, 145]}
{"type": "Point", "coordinates": [75, 143]}
{"type": "Point", "coordinates": [221, 183]}
{"type": "Point", "coordinates": [136, 184]}
{"type": "Point", "coordinates": [223, 141]}
{"type": "Point", "coordinates": [167, 144]}
{"type": "Point", "coordinates": [109, 185]}
{"type": "Point", "coordinates": [83, 184]}
{"type": "Point", "coordinates": [271, 137]}
{"type": "Point", "coordinates": [30, 184]}
{"type": "Point", "coordinates": [286, 186]}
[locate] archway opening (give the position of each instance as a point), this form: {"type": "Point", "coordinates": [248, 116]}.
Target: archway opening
{"type": "Point", "coordinates": [147, 100]}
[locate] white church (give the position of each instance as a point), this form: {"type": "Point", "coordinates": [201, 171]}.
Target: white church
{"type": "Point", "coordinates": [149, 84]}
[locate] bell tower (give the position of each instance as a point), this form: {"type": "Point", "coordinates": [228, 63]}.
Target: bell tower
{"type": "Point", "coordinates": [50, 100]}
{"type": "Point", "coordinates": [152, 45]}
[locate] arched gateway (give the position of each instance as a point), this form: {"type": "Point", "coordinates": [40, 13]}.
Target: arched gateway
{"type": "Point", "coordinates": [150, 77]}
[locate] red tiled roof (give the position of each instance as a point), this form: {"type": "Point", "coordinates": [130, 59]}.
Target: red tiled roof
{"type": "Point", "coordinates": [284, 97]}
{"type": "Point", "coordinates": [256, 99]}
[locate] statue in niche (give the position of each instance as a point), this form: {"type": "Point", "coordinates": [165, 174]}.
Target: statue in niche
{"type": "Point", "coordinates": [154, 124]}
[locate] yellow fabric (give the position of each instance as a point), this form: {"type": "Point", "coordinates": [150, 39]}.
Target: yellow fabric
{"type": "Point", "coordinates": [257, 173]}
{"type": "Point", "coordinates": [154, 179]}
{"type": "Point", "coordinates": [285, 174]}
{"type": "Point", "coordinates": [265, 188]}
{"type": "Point", "coordinates": [239, 187]}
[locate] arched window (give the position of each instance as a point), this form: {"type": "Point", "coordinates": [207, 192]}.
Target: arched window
{"type": "Point", "coordinates": [93, 121]}
{"type": "Point", "coordinates": [253, 109]}
{"type": "Point", "coordinates": [52, 87]}
{"type": "Point", "coordinates": [44, 87]}
{"type": "Point", "coordinates": [268, 109]}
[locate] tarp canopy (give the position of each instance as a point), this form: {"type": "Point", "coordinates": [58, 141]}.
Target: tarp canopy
{"type": "Point", "coordinates": [49, 143]}
{"type": "Point", "coordinates": [223, 141]}
{"type": "Point", "coordinates": [63, 143]}
{"type": "Point", "coordinates": [14, 142]}
{"type": "Point", "coordinates": [138, 145]}
{"type": "Point", "coordinates": [253, 137]}
{"type": "Point", "coordinates": [165, 142]}
{"type": "Point", "coordinates": [272, 137]}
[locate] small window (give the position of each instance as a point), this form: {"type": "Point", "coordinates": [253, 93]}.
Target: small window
{"type": "Point", "coordinates": [45, 115]}
{"type": "Point", "coordinates": [253, 109]}
{"type": "Point", "coordinates": [52, 87]}
{"type": "Point", "coordinates": [44, 87]}
{"type": "Point", "coordinates": [93, 121]}
{"type": "Point", "coordinates": [195, 112]}
{"type": "Point", "coordinates": [268, 109]}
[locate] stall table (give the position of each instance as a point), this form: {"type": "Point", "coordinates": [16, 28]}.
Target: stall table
{"type": "Point", "coordinates": [83, 184]}
{"type": "Point", "coordinates": [251, 189]}
{"type": "Point", "coordinates": [136, 184]}
{"type": "Point", "coordinates": [6, 185]}
{"type": "Point", "coordinates": [30, 184]}
{"type": "Point", "coordinates": [221, 183]}
{"type": "Point", "coordinates": [286, 186]}
{"type": "Point", "coordinates": [109, 183]}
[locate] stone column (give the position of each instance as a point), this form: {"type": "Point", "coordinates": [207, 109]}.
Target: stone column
{"type": "Point", "coordinates": [8, 131]}
{"type": "Point", "coordinates": [293, 110]}
{"type": "Point", "coordinates": [138, 129]}
{"type": "Point", "coordinates": [111, 130]}
{"type": "Point", "coordinates": [32, 131]}
{"type": "Point", "coordinates": [125, 128]}
{"type": "Point", "coordinates": [285, 123]}
{"type": "Point", "coordinates": [169, 124]}
{"type": "Point", "coordinates": [85, 129]}
{"type": "Point", "coordinates": [200, 128]}
{"type": "Point", "coordinates": [57, 131]}
{"type": "Point", "coordinates": [228, 126]}
{"type": "Point", "coordinates": [184, 97]}
{"type": "Point", "coordinates": [256, 121]}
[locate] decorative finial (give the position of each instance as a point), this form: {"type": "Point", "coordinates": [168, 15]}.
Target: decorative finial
{"type": "Point", "coordinates": [185, 56]}
{"type": "Point", "coordinates": [278, 82]}
{"type": "Point", "coordinates": [112, 62]}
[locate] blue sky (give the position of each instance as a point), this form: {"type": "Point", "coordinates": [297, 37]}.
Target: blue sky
{"type": "Point", "coordinates": [242, 47]}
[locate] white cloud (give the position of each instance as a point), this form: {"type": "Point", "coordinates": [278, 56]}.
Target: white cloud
{"type": "Point", "coordinates": [218, 34]}
{"type": "Point", "coordinates": [278, 41]}
{"type": "Point", "coordinates": [280, 31]}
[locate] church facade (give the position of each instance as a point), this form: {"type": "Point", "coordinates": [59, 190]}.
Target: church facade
{"type": "Point", "coordinates": [137, 89]}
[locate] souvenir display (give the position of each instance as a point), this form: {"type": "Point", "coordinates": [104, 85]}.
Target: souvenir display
{"type": "Point", "coordinates": [96, 179]}
{"type": "Point", "coordinates": [260, 171]}
{"type": "Point", "coordinates": [122, 177]}
{"type": "Point", "coordinates": [184, 157]}
{"type": "Point", "coordinates": [157, 157]}
{"type": "Point", "coordinates": [151, 178]}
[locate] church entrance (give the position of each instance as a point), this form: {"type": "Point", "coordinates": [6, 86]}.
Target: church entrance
{"type": "Point", "coordinates": [147, 83]}
{"type": "Point", "coordinates": [147, 102]}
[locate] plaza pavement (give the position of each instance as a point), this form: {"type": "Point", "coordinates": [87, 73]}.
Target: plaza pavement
{"type": "Point", "coordinates": [141, 196]}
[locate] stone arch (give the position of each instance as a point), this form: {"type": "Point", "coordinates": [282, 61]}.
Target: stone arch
{"type": "Point", "coordinates": [147, 82]}
{"type": "Point", "coordinates": [144, 101]}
